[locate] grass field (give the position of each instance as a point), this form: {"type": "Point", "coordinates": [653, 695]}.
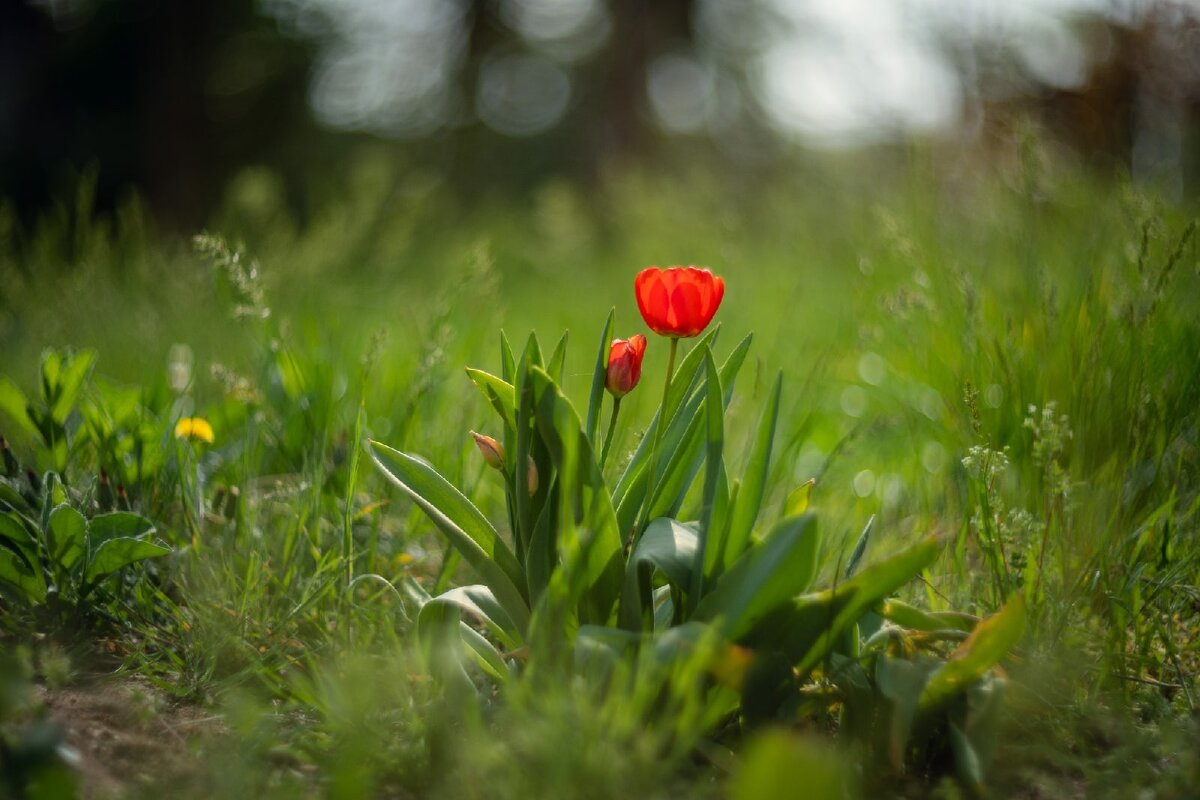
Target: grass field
{"type": "Point", "coordinates": [1008, 362]}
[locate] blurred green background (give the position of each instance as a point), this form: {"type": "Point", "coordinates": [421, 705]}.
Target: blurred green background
{"type": "Point", "coordinates": [495, 97]}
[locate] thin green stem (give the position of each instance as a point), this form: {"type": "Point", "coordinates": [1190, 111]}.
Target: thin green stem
{"type": "Point", "coordinates": [608, 436]}
{"type": "Point", "coordinates": [658, 434]}
{"type": "Point", "coordinates": [662, 423]}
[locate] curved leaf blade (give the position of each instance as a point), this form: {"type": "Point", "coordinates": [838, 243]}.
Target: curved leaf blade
{"type": "Point", "coordinates": [118, 553]}
{"type": "Point", "coordinates": [754, 480]}
{"type": "Point", "coordinates": [669, 546]}
{"type": "Point", "coordinates": [988, 643]}
{"type": "Point", "coordinates": [764, 578]}
{"type": "Point", "coordinates": [462, 523]}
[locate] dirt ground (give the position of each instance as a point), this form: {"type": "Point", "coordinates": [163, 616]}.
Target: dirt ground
{"type": "Point", "coordinates": [129, 737]}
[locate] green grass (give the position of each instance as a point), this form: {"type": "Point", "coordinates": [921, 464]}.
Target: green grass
{"type": "Point", "coordinates": [1050, 321]}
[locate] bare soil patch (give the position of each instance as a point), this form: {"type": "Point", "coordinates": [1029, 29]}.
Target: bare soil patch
{"type": "Point", "coordinates": [130, 737]}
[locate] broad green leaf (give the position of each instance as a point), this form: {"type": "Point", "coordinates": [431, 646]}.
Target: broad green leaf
{"type": "Point", "coordinates": [812, 624]}
{"type": "Point", "coordinates": [103, 527]}
{"type": "Point", "coordinates": [599, 377]}
{"type": "Point", "coordinates": [542, 557]}
{"type": "Point", "coordinates": [22, 576]}
{"type": "Point", "coordinates": [966, 760]}
{"type": "Point", "coordinates": [499, 393]}
{"type": "Point", "coordinates": [464, 525]}
{"type": "Point", "coordinates": [764, 578]}
{"type": "Point", "coordinates": [68, 536]}
{"type": "Point", "coordinates": [585, 501]}
{"type": "Point", "coordinates": [988, 643]}
{"type": "Point", "coordinates": [11, 499]}
{"type": "Point", "coordinates": [14, 404]}
{"type": "Point", "coordinates": [900, 681]}
{"type": "Point", "coordinates": [446, 636]}
{"type": "Point", "coordinates": [754, 480]}
{"type": "Point", "coordinates": [18, 536]}
{"type": "Point", "coordinates": [598, 647]}
{"type": "Point", "coordinates": [668, 546]}
{"type": "Point", "coordinates": [489, 657]}
{"type": "Point", "coordinates": [480, 603]}
{"type": "Point", "coordinates": [117, 553]}
{"type": "Point", "coordinates": [525, 513]}
{"type": "Point", "coordinates": [71, 380]}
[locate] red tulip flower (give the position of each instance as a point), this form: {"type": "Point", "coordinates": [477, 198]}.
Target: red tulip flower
{"type": "Point", "coordinates": [678, 301]}
{"type": "Point", "coordinates": [625, 365]}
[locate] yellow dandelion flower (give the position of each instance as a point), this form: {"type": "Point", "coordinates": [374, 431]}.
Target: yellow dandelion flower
{"type": "Point", "coordinates": [196, 429]}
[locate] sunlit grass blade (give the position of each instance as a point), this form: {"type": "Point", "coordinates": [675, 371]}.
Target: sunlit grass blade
{"type": "Point", "coordinates": [557, 363]}
{"type": "Point", "coordinates": [860, 547]}
{"type": "Point", "coordinates": [599, 375]}
{"type": "Point", "coordinates": [508, 365]}
{"type": "Point", "coordinates": [754, 480]}
{"type": "Point", "coordinates": [714, 473]}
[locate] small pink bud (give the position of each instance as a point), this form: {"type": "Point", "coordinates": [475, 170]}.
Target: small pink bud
{"type": "Point", "coordinates": [493, 451]}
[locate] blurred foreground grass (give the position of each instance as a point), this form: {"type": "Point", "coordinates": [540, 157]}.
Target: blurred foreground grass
{"type": "Point", "coordinates": [1010, 361]}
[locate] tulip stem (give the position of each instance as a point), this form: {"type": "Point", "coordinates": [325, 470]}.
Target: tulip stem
{"type": "Point", "coordinates": [666, 388]}
{"type": "Point", "coordinates": [612, 426]}
{"type": "Point", "coordinates": [658, 434]}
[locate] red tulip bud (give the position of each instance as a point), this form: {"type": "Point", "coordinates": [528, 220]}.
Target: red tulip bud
{"type": "Point", "coordinates": [625, 365]}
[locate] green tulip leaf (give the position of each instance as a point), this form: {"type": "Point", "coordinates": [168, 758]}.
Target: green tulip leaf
{"type": "Point", "coordinates": [599, 379]}
{"type": "Point", "coordinates": [668, 546]}
{"type": "Point", "coordinates": [594, 546]}
{"type": "Point", "coordinates": [499, 393]}
{"type": "Point", "coordinates": [764, 578]}
{"type": "Point", "coordinates": [22, 575]}
{"type": "Point", "coordinates": [754, 481]}
{"type": "Point", "coordinates": [808, 628]}
{"type": "Point", "coordinates": [463, 524]}
{"type": "Point", "coordinates": [988, 643]}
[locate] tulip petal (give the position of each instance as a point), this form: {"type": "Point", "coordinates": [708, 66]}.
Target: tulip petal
{"type": "Point", "coordinates": [687, 308]}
